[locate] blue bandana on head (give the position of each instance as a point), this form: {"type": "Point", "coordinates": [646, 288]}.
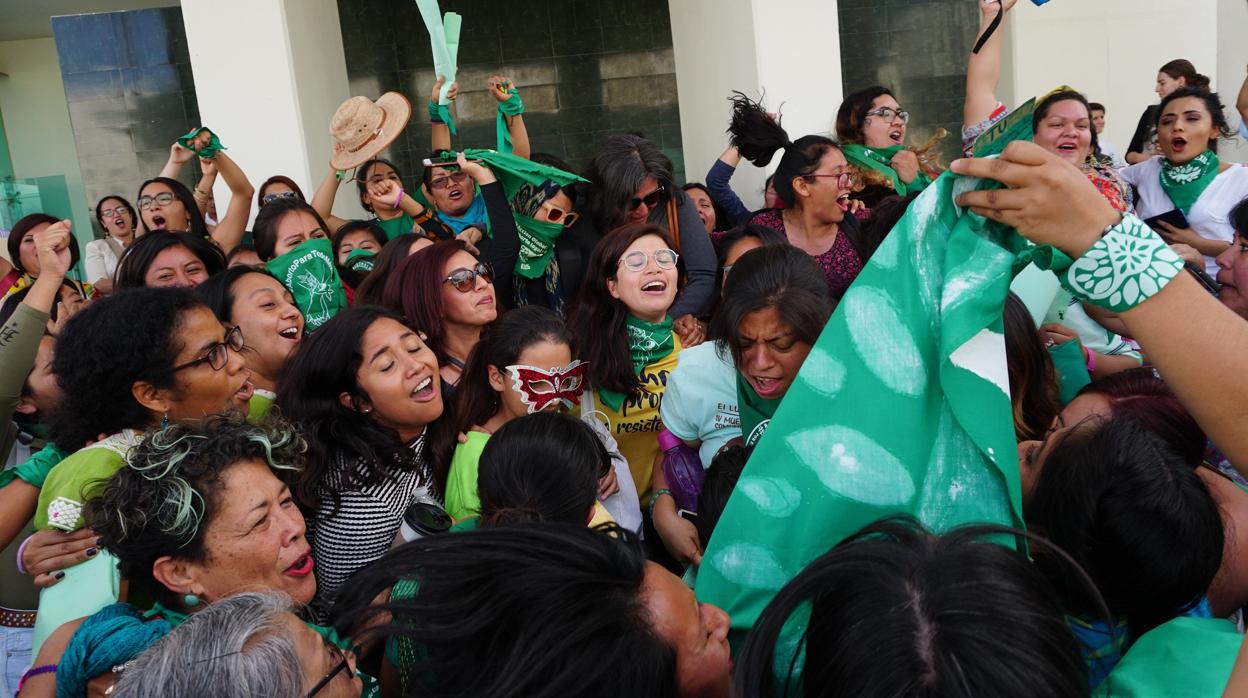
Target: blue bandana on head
{"type": "Point", "coordinates": [475, 215]}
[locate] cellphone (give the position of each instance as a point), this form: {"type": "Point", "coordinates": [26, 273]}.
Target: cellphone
{"type": "Point", "coordinates": [446, 163]}
{"type": "Point", "coordinates": [690, 516]}
{"type": "Point", "coordinates": [1174, 218]}
{"type": "Point", "coordinates": [1210, 284]}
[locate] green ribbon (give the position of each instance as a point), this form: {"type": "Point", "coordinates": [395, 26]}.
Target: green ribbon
{"type": "Point", "coordinates": [755, 411]}
{"type": "Point", "coordinates": [209, 151]}
{"type": "Point", "coordinates": [1185, 183]}
{"type": "Point", "coordinates": [514, 106]}
{"type": "Point", "coordinates": [647, 343]}
{"type": "Point", "coordinates": [881, 160]}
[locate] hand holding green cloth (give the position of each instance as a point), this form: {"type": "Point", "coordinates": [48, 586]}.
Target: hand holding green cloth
{"type": "Point", "coordinates": [881, 160]}
{"type": "Point", "coordinates": [312, 277]}
{"type": "Point", "coordinates": [901, 407]}
{"type": "Point", "coordinates": [1185, 183]}
{"type": "Point", "coordinates": [527, 185]}
{"type": "Point", "coordinates": [444, 40]}
{"type": "Point", "coordinates": [647, 343]}
{"type": "Point", "coordinates": [209, 151]}
{"type": "Point", "coordinates": [513, 106]}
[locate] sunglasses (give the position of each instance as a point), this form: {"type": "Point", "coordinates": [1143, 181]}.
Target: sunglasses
{"type": "Point", "coordinates": [270, 198]}
{"type": "Point", "coordinates": [164, 199]}
{"type": "Point", "coordinates": [464, 280]}
{"type": "Point", "coordinates": [650, 200]}
{"type": "Point", "coordinates": [446, 180]}
{"type": "Point", "coordinates": [637, 261]}
{"type": "Point", "coordinates": [218, 355]}
{"type": "Point", "coordinates": [554, 214]}
{"type": "Point", "coordinates": [887, 113]}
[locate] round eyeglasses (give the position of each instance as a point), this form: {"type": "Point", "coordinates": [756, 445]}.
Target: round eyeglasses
{"type": "Point", "coordinates": [637, 261]}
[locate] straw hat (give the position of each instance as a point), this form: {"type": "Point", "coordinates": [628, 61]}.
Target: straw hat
{"type": "Point", "coordinates": [364, 128]}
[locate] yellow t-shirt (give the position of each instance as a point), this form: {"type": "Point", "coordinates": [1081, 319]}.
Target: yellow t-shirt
{"type": "Point", "coordinates": [637, 424]}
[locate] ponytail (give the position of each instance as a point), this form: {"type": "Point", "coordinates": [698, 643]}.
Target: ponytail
{"type": "Point", "coordinates": [757, 136]}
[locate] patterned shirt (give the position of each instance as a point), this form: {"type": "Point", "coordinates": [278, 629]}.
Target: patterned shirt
{"type": "Point", "coordinates": [840, 263]}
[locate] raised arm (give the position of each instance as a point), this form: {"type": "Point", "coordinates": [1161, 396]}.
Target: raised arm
{"type": "Point", "coordinates": [441, 136]}
{"type": "Point", "coordinates": [500, 89]}
{"type": "Point", "coordinates": [178, 157]}
{"type": "Point", "coordinates": [229, 231]}
{"type": "Point", "coordinates": [203, 191]}
{"type": "Point", "coordinates": [983, 70]}
{"type": "Point", "coordinates": [1241, 104]}
{"type": "Point", "coordinates": [1052, 202]}
{"type": "Point", "coordinates": [323, 199]}
{"type": "Point", "coordinates": [718, 180]}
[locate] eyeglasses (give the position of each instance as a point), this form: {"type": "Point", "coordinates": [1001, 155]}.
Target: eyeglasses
{"type": "Point", "coordinates": [114, 211]}
{"type": "Point", "coordinates": [650, 200]}
{"type": "Point", "coordinates": [164, 199]}
{"type": "Point", "coordinates": [554, 214]}
{"type": "Point", "coordinates": [218, 354]}
{"type": "Point", "coordinates": [341, 662]}
{"type": "Point", "coordinates": [446, 180]}
{"type": "Point", "coordinates": [844, 180]}
{"type": "Point", "coordinates": [636, 261]}
{"type": "Point", "coordinates": [888, 113]}
{"type": "Point", "coordinates": [464, 280]}
{"type": "Point", "coordinates": [270, 198]}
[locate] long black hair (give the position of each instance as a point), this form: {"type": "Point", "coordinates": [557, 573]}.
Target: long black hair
{"type": "Point", "coordinates": [541, 467]}
{"type": "Point", "coordinates": [501, 344]}
{"type": "Point", "coordinates": [264, 232]}
{"type": "Point", "coordinates": [323, 368]}
{"type": "Point", "coordinates": [598, 318]}
{"type": "Point", "coordinates": [104, 350]}
{"type": "Point", "coordinates": [757, 136]}
{"type": "Point", "coordinates": [23, 226]}
{"type": "Point", "coordinates": [1033, 378]}
{"type": "Point", "coordinates": [196, 225]}
{"type": "Point", "coordinates": [897, 611]}
{"type": "Point", "coordinates": [392, 253]}
{"type": "Point", "coordinates": [543, 610]}
{"type": "Point", "coordinates": [617, 171]}
{"type": "Point", "coordinates": [132, 270]}
{"type": "Point", "coordinates": [782, 277]}
{"type": "Point", "coordinates": [1134, 513]}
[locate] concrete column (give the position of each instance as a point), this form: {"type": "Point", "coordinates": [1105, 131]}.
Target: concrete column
{"type": "Point", "coordinates": [268, 76]}
{"type": "Point", "coordinates": [788, 48]}
{"type": "Point", "coordinates": [1232, 57]}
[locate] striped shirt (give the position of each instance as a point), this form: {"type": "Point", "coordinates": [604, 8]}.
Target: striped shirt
{"type": "Point", "coordinates": [364, 524]}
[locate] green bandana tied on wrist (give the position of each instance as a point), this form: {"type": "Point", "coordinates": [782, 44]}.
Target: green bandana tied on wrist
{"type": "Point", "coordinates": [209, 151]}
{"type": "Point", "coordinates": [881, 160]}
{"type": "Point", "coordinates": [1185, 183]}
{"type": "Point", "coordinates": [647, 343]}
{"type": "Point", "coordinates": [756, 412]}
{"type": "Point", "coordinates": [512, 107]}
{"type": "Point", "coordinates": [441, 114]}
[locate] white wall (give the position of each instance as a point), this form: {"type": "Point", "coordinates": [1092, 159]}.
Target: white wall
{"type": "Point", "coordinates": [1232, 57]}
{"type": "Point", "coordinates": [269, 86]}
{"type": "Point", "coordinates": [36, 121]}
{"type": "Point", "coordinates": [1110, 50]}
{"type": "Point", "coordinates": [753, 46]}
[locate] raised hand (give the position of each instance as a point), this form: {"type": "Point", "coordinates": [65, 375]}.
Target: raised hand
{"type": "Point", "coordinates": [437, 90]}
{"type": "Point", "coordinates": [383, 190]}
{"type": "Point", "coordinates": [989, 7]}
{"type": "Point", "coordinates": [52, 248]}
{"type": "Point", "coordinates": [498, 87]}
{"type": "Point", "coordinates": [906, 164]}
{"type": "Point", "coordinates": [179, 155]}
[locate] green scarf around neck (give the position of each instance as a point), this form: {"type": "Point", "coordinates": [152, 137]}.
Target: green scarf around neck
{"type": "Point", "coordinates": [1185, 183]}
{"type": "Point", "coordinates": [881, 160]}
{"type": "Point", "coordinates": [755, 411]}
{"type": "Point", "coordinates": [648, 342]}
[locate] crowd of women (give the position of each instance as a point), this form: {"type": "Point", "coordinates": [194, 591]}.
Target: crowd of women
{"type": "Point", "coordinates": [469, 445]}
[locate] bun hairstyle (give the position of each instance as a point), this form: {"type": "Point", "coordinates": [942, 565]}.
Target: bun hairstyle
{"type": "Point", "coordinates": [757, 136]}
{"type": "Point", "coordinates": [1180, 68]}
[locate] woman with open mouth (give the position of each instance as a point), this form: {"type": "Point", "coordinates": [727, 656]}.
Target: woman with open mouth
{"type": "Point", "coordinates": [196, 514]}
{"type": "Point", "coordinates": [118, 220]}
{"type": "Point", "coordinates": [166, 204]}
{"type": "Point", "coordinates": [814, 182]}
{"type": "Point", "coordinates": [364, 390]}
{"type": "Point", "coordinates": [180, 366]}
{"type": "Point", "coordinates": [450, 292]}
{"type": "Point", "coordinates": [255, 302]}
{"type": "Point", "coordinates": [1189, 177]}
{"type": "Point", "coordinates": [871, 126]}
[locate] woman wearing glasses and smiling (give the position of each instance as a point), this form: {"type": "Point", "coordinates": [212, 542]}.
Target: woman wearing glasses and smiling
{"type": "Point", "coordinates": [871, 126]}
{"type": "Point", "coordinates": [815, 182]}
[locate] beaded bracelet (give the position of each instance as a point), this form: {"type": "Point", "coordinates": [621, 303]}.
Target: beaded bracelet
{"type": "Point", "coordinates": [655, 499]}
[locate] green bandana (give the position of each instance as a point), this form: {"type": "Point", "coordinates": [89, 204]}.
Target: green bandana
{"type": "Point", "coordinates": [902, 407]}
{"type": "Point", "coordinates": [647, 342]}
{"type": "Point", "coordinates": [881, 160]}
{"type": "Point", "coordinates": [360, 261]}
{"type": "Point", "coordinates": [209, 151]}
{"type": "Point", "coordinates": [537, 245]}
{"type": "Point", "coordinates": [1185, 183]}
{"type": "Point", "coordinates": [512, 107]}
{"type": "Point", "coordinates": [756, 413]}
{"type": "Point", "coordinates": [312, 277]}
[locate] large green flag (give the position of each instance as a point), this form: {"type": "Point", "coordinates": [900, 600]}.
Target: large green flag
{"type": "Point", "coordinates": [527, 184]}
{"type": "Point", "coordinates": [902, 407]}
